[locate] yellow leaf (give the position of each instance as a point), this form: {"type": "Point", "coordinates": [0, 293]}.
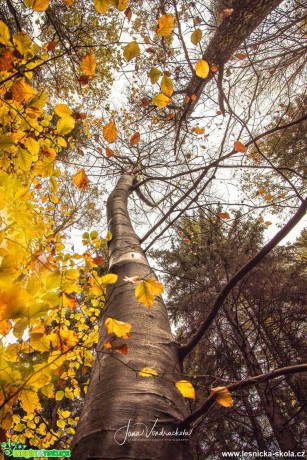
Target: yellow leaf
{"type": "Point", "coordinates": [37, 5]}
{"type": "Point", "coordinates": [239, 147]}
{"type": "Point", "coordinates": [61, 423]}
{"type": "Point", "coordinates": [110, 132]}
{"type": "Point", "coordinates": [29, 401]}
{"type": "Point", "coordinates": [22, 42]}
{"type": "Point", "coordinates": [222, 396]}
{"type": "Point", "coordinates": [24, 159]}
{"type": "Point", "coordinates": [202, 68]}
{"type": "Point", "coordinates": [4, 34]}
{"type": "Point", "coordinates": [33, 147]}
{"type": "Point", "coordinates": [89, 65]}
{"type": "Point", "coordinates": [160, 100]}
{"type": "Point", "coordinates": [131, 51]}
{"type": "Point", "coordinates": [165, 25]}
{"type": "Point", "coordinates": [22, 92]}
{"type": "Point", "coordinates": [223, 215]}
{"type": "Point", "coordinates": [154, 74]}
{"type": "Point", "coordinates": [65, 125]}
{"type": "Point", "coordinates": [146, 372]}
{"type": "Point", "coordinates": [59, 395]}
{"type": "Point", "coordinates": [167, 86]}
{"type": "Point", "coordinates": [122, 5]}
{"type": "Point", "coordinates": [62, 110]}
{"type": "Point", "coordinates": [101, 6]}
{"type": "Point", "coordinates": [110, 278]}
{"type": "Point", "coordinates": [196, 36]}
{"type": "Point", "coordinates": [186, 389]}
{"type": "Point", "coordinates": [147, 290]}
{"type": "Point", "coordinates": [118, 328]}
{"type": "Point", "coordinates": [81, 180]}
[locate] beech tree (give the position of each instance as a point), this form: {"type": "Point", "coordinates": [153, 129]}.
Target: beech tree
{"type": "Point", "coordinates": [200, 90]}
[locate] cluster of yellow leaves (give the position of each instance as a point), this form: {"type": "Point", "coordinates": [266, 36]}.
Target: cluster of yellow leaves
{"type": "Point", "coordinates": [47, 331]}
{"type": "Point", "coordinates": [102, 6]}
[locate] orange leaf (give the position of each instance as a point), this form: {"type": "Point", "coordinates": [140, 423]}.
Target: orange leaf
{"type": "Point", "coordinates": [223, 215]}
{"type": "Point", "coordinates": [122, 349]}
{"type": "Point", "coordinates": [109, 152]}
{"type": "Point", "coordinates": [214, 68]}
{"type": "Point", "coordinates": [110, 132]}
{"type": "Point", "coordinates": [239, 147]}
{"type": "Point", "coordinates": [135, 139]}
{"type": "Point", "coordinates": [89, 65]}
{"type": "Point", "coordinates": [240, 56]}
{"type": "Point", "coordinates": [222, 396]}
{"type": "Point", "coordinates": [22, 92]}
{"type": "Point", "coordinates": [187, 99]}
{"type": "Point", "coordinates": [165, 25]}
{"type": "Point", "coordinates": [6, 60]}
{"type": "Point", "coordinates": [69, 301]}
{"type": "Point", "coordinates": [128, 13]}
{"type": "Point", "coordinates": [193, 97]}
{"type": "Point", "coordinates": [51, 45]}
{"type": "Point", "coordinates": [81, 180]}
{"type": "Point", "coordinates": [83, 79]}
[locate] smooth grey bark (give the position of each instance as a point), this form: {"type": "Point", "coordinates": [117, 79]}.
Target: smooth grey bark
{"type": "Point", "coordinates": [116, 393]}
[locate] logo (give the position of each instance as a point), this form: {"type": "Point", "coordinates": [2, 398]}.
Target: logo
{"type": "Point", "coordinates": [18, 450]}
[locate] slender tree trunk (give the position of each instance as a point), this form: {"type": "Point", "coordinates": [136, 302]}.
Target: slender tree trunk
{"type": "Point", "coordinates": [117, 397]}
{"type": "Point", "coordinates": [282, 432]}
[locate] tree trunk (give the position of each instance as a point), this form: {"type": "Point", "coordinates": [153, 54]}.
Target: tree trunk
{"type": "Point", "coordinates": [118, 397]}
{"type": "Point", "coordinates": [282, 432]}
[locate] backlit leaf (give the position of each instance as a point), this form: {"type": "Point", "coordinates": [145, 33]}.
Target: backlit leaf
{"type": "Point", "coordinates": [202, 68]}
{"type": "Point", "coordinates": [101, 6]}
{"type": "Point", "coordinates": [165, 25]}
{"type": "Point", "coordinates": [118, 328]}
{"type": "Point", "coordinates": [29, 401]}
{"type": "Point", "coordinates": [167, 86]}
{"type": "Point", "coordinates": [147, 372]}
{"type": "Point", "coordinates": [239, 147]}
{"type": "Point", "coordinates": [147, 291]}
{"type": "Point", "coordinates": [154, 74]}
{"type": "Point", "coordinates": [65, 125]}
{"type": "Point", "coordinates": [89, 65]}
{"type": "Point", "coordinates": [196, 36]}
{"type": "Point", "coordinates": [81, 180]}
{"type": "Point", "coordinates": [131, 51]}
{"type": "Point", "coordinates": [186, 389]}
{"type": "Point", "coordinates": [22, 92]}
{"type": "Point", "coordinates": [62, 110]}
{"type": "Point", "coordinates": [110, 132]}
{"type": "Point", "coordinates": [135, 139]}
{"type": "Point", "coordinates": [160, 100]}
{"type": "Point", "coordinates": [222, 396]}
{"type": "Point", "coordinates": [4, 34]}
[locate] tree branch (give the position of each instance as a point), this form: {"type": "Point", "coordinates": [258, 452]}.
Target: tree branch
{"type": "Point", "coordinates": [208, 403]}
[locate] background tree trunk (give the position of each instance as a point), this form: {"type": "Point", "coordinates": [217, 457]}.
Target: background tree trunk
{"type": "Point", "coordinates": [116, 393]}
